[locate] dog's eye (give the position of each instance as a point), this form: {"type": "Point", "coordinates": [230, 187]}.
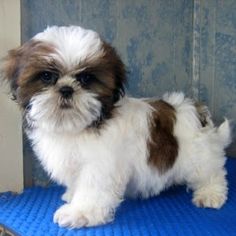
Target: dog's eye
{"type": "Point", "coordinates": [85, 78]}
{"type": "Point", "coordinates": [48, 77]}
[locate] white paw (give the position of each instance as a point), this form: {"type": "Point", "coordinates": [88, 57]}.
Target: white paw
{"type": "Point", "coordinates": [210, 198]}
{"type": "Point", "coordinates": [71, 216]}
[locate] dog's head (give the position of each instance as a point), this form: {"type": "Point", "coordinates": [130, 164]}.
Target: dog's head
{"type": "Point", "coordinates": [65, 78]}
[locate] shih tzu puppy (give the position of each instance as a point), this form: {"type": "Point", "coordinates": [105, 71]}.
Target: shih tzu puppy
{"type": "Point", "coordinates": [102, 145]}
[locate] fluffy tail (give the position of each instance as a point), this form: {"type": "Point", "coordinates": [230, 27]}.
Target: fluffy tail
{"type": "Point", "coordinates": [224, 132]}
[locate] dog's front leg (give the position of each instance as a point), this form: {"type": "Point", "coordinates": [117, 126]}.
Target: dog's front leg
{"type": "Point", "coordinates": [97, 194]}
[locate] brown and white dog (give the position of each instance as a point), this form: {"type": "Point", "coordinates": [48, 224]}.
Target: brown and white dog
{"type": "Point", "coordinates": [101, 144]}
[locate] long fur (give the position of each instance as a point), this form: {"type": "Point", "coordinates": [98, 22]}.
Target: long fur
{"type": "Point", "coordinates": [102, 164]}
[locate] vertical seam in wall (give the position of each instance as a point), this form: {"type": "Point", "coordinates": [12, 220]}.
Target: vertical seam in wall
{"type": "Point", "coordinates": [21, 28]}
{"type": "Point", "coordinates": [200, 48]}
{"type": "Point", "coordinates": [213, 100]}
{"type": "Point", "coordinates": [196, 49]}
{"type": "Point", "coordinates": [174, 52]}
{"type": "Point", "coordinates": [27, 159]}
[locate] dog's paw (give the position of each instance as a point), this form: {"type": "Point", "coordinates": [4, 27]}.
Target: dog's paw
{"type": "Point", "coordinates": [67, 216]}
{"type": "Point", "coordinates": [212, 198]}
{"type": "Point", "coordinates": [72, 216]}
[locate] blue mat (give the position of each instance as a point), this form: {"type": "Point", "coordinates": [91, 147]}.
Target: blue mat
{"type": "Point", "coordinates": [171, 213]}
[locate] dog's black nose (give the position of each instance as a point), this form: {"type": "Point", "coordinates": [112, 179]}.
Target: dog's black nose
{"type": "Point", "coordinates": [66, 91]}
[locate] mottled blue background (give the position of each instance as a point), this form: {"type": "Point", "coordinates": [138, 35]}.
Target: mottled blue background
{"type": "Point", "coordinates": [167, 45]}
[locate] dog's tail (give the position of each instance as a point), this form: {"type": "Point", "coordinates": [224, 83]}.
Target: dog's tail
{"type": "Point", "coordinates": [224, 133]}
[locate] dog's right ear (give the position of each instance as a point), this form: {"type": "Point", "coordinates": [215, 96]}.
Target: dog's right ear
{"type": "Point", "coordinates": [10, 67]}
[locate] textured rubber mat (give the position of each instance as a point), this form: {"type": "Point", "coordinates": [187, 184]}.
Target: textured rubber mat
{"type": "Point", "coordinates": [171, 213]}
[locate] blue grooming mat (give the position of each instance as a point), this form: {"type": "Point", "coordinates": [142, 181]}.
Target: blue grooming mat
{"type": "Point", "coordinates": [170, 213]}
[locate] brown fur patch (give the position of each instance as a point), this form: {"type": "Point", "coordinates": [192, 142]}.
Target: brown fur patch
{"type": "Point", "coordinates": [108, 69]}
{"type": "Point", "coordinates": [111, 76]}
{"type": "Point", "coordinates": [203, 114]}
{"type": "Point", "coordinates": [23, 64]}
{"type": "Point", "coordinates": [163, 146]}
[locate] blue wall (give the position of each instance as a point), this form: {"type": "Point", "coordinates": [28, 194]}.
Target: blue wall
{"type": "Point", "coordinates": [167, 45]}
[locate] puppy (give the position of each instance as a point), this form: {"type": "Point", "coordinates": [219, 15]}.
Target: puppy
{"type": "Point", "coordinates": [102, 145]}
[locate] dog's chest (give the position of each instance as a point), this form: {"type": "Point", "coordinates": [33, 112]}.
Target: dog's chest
{"type": "Point", "coordinates": [59, 155]}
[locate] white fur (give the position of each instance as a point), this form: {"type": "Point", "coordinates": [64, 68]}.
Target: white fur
{"type": "Point", "coordinates": [73, 44]}
{"type": "Point", "coordinates": [99, 169]}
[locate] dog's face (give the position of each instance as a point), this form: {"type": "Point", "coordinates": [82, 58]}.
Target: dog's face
{"type": "Point", "coordinates": [65, 78]}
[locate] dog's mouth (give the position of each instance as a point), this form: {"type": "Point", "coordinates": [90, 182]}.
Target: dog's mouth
{"type": "Point", "coordinates": [65, 104]}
